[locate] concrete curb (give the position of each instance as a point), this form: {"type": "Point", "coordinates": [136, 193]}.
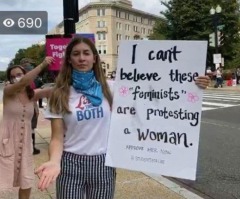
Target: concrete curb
{"type": "Point", "coordinates": [230, 89]}
{"type": "Point", "coordinates": [174, 187]}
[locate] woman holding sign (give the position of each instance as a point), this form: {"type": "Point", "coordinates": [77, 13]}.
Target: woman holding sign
{"type": "Point", "coordinates": [80, 111]}
{"type": "Point", "coordinates": [16, 161]}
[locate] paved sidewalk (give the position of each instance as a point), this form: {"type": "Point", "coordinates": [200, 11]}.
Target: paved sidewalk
{"type": "Point", "coordinates": [224, 88]}
{"type": "Point", "coordinates": [129, 184]}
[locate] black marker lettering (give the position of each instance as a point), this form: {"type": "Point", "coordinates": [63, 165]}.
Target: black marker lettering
{"type": "Point", "coordinates": [134, 53]}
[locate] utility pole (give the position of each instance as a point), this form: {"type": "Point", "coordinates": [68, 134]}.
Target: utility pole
{"type": "Point", "coordinates": [215, 13]}
{"type": "Point", "coordinates": [215, 22]}
{"type": "Point", "coordinates": [70, 16]}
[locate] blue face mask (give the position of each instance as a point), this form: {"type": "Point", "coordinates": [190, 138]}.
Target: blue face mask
{"type": "Point", "coordinates": [86, 83]}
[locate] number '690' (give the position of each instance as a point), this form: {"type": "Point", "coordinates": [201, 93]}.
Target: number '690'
{"type": "Point", "coordinates": [29, 22]}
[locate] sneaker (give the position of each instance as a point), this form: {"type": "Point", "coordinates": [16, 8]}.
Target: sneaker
{"type": "Point", "coordinates": [36, 151]}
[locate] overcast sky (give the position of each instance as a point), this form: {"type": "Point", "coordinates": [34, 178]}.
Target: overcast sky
{"type": "Point", "coordinates": [10, 44]}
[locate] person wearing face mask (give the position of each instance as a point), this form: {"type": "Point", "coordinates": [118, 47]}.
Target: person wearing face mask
{"type": "Point", "coordinates": [27, 65]}
{"type": "Point", "coordinates": [16, 160]}
{"type": "Point", "coordinates": [80, 112]}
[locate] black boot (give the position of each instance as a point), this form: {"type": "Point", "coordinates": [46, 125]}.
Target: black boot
{"type": "Point", "coordinates": [35, 150]}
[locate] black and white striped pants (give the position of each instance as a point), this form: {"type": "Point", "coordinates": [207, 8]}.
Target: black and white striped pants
{"type": "Point", "coordinates": [85, 175]}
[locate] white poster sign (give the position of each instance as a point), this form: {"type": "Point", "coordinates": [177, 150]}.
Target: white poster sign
{"type": "Point", "coordinates": [217, 58]}
{"type": "Point", "coordinates": [222, 61]}
{"type": "Point", "coordinates": [156, 111]}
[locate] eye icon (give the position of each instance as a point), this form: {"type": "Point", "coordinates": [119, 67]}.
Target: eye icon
{"type": "Point", "coordinates": [8, 22]}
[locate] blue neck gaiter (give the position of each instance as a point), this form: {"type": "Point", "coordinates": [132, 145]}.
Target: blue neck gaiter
{"type": "Point", "coordinates": [86, 83]}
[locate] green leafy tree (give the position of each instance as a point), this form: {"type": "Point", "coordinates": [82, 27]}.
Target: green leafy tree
{"type": "Point", "coordinates": [191, 20]}
{"type": "Point", "coordinates": [35, 52]}
{"type": "Point", "coordinates": [186, 19]}
{"type": "Point", "coordinates": [231, 44]}
{"type": "Point", "coordinates": [18, 56]}
{"type": "Point", "coordinates": [2, 76]}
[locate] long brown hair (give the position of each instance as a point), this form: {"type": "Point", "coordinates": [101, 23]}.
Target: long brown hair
{"type": "Point", "coordinates": [60, 96]}
{"type": "Point", "coordinates": [28, 89]}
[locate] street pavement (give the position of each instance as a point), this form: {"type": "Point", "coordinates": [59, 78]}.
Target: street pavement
{"type": "Point", "coordinates": [220, 99]}
{"type": "Point", "coordinates": [137, 185]}
{"type": "Point", "coordinates": [218, 173]}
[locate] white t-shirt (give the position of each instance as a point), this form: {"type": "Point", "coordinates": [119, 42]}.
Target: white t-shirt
{"type": "Point", "coordinates": [219, 74]}
{"type": "Point", "coordinates": [87, 127]}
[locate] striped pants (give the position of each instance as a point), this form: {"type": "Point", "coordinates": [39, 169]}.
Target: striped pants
{"type": "Point", "coordinates": [85, 177]}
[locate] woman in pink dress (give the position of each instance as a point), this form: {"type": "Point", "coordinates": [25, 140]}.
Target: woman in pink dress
{"type": "Point", "coordinates": [16, 160]}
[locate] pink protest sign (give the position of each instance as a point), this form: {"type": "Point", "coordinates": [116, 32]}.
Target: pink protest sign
{"type": "Point", "coordinates": [55, 47]}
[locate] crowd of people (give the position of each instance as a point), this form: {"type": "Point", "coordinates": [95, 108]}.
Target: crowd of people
{"type": "Point", "coordinates": [219, 78]}
{"type": "Point", "coordinates": [78, 145]}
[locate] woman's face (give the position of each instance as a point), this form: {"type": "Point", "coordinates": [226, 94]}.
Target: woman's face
{"type": "Point", "coordinates": [82, 57]}
{"type": "Point", "coordinates": [15, 75]}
